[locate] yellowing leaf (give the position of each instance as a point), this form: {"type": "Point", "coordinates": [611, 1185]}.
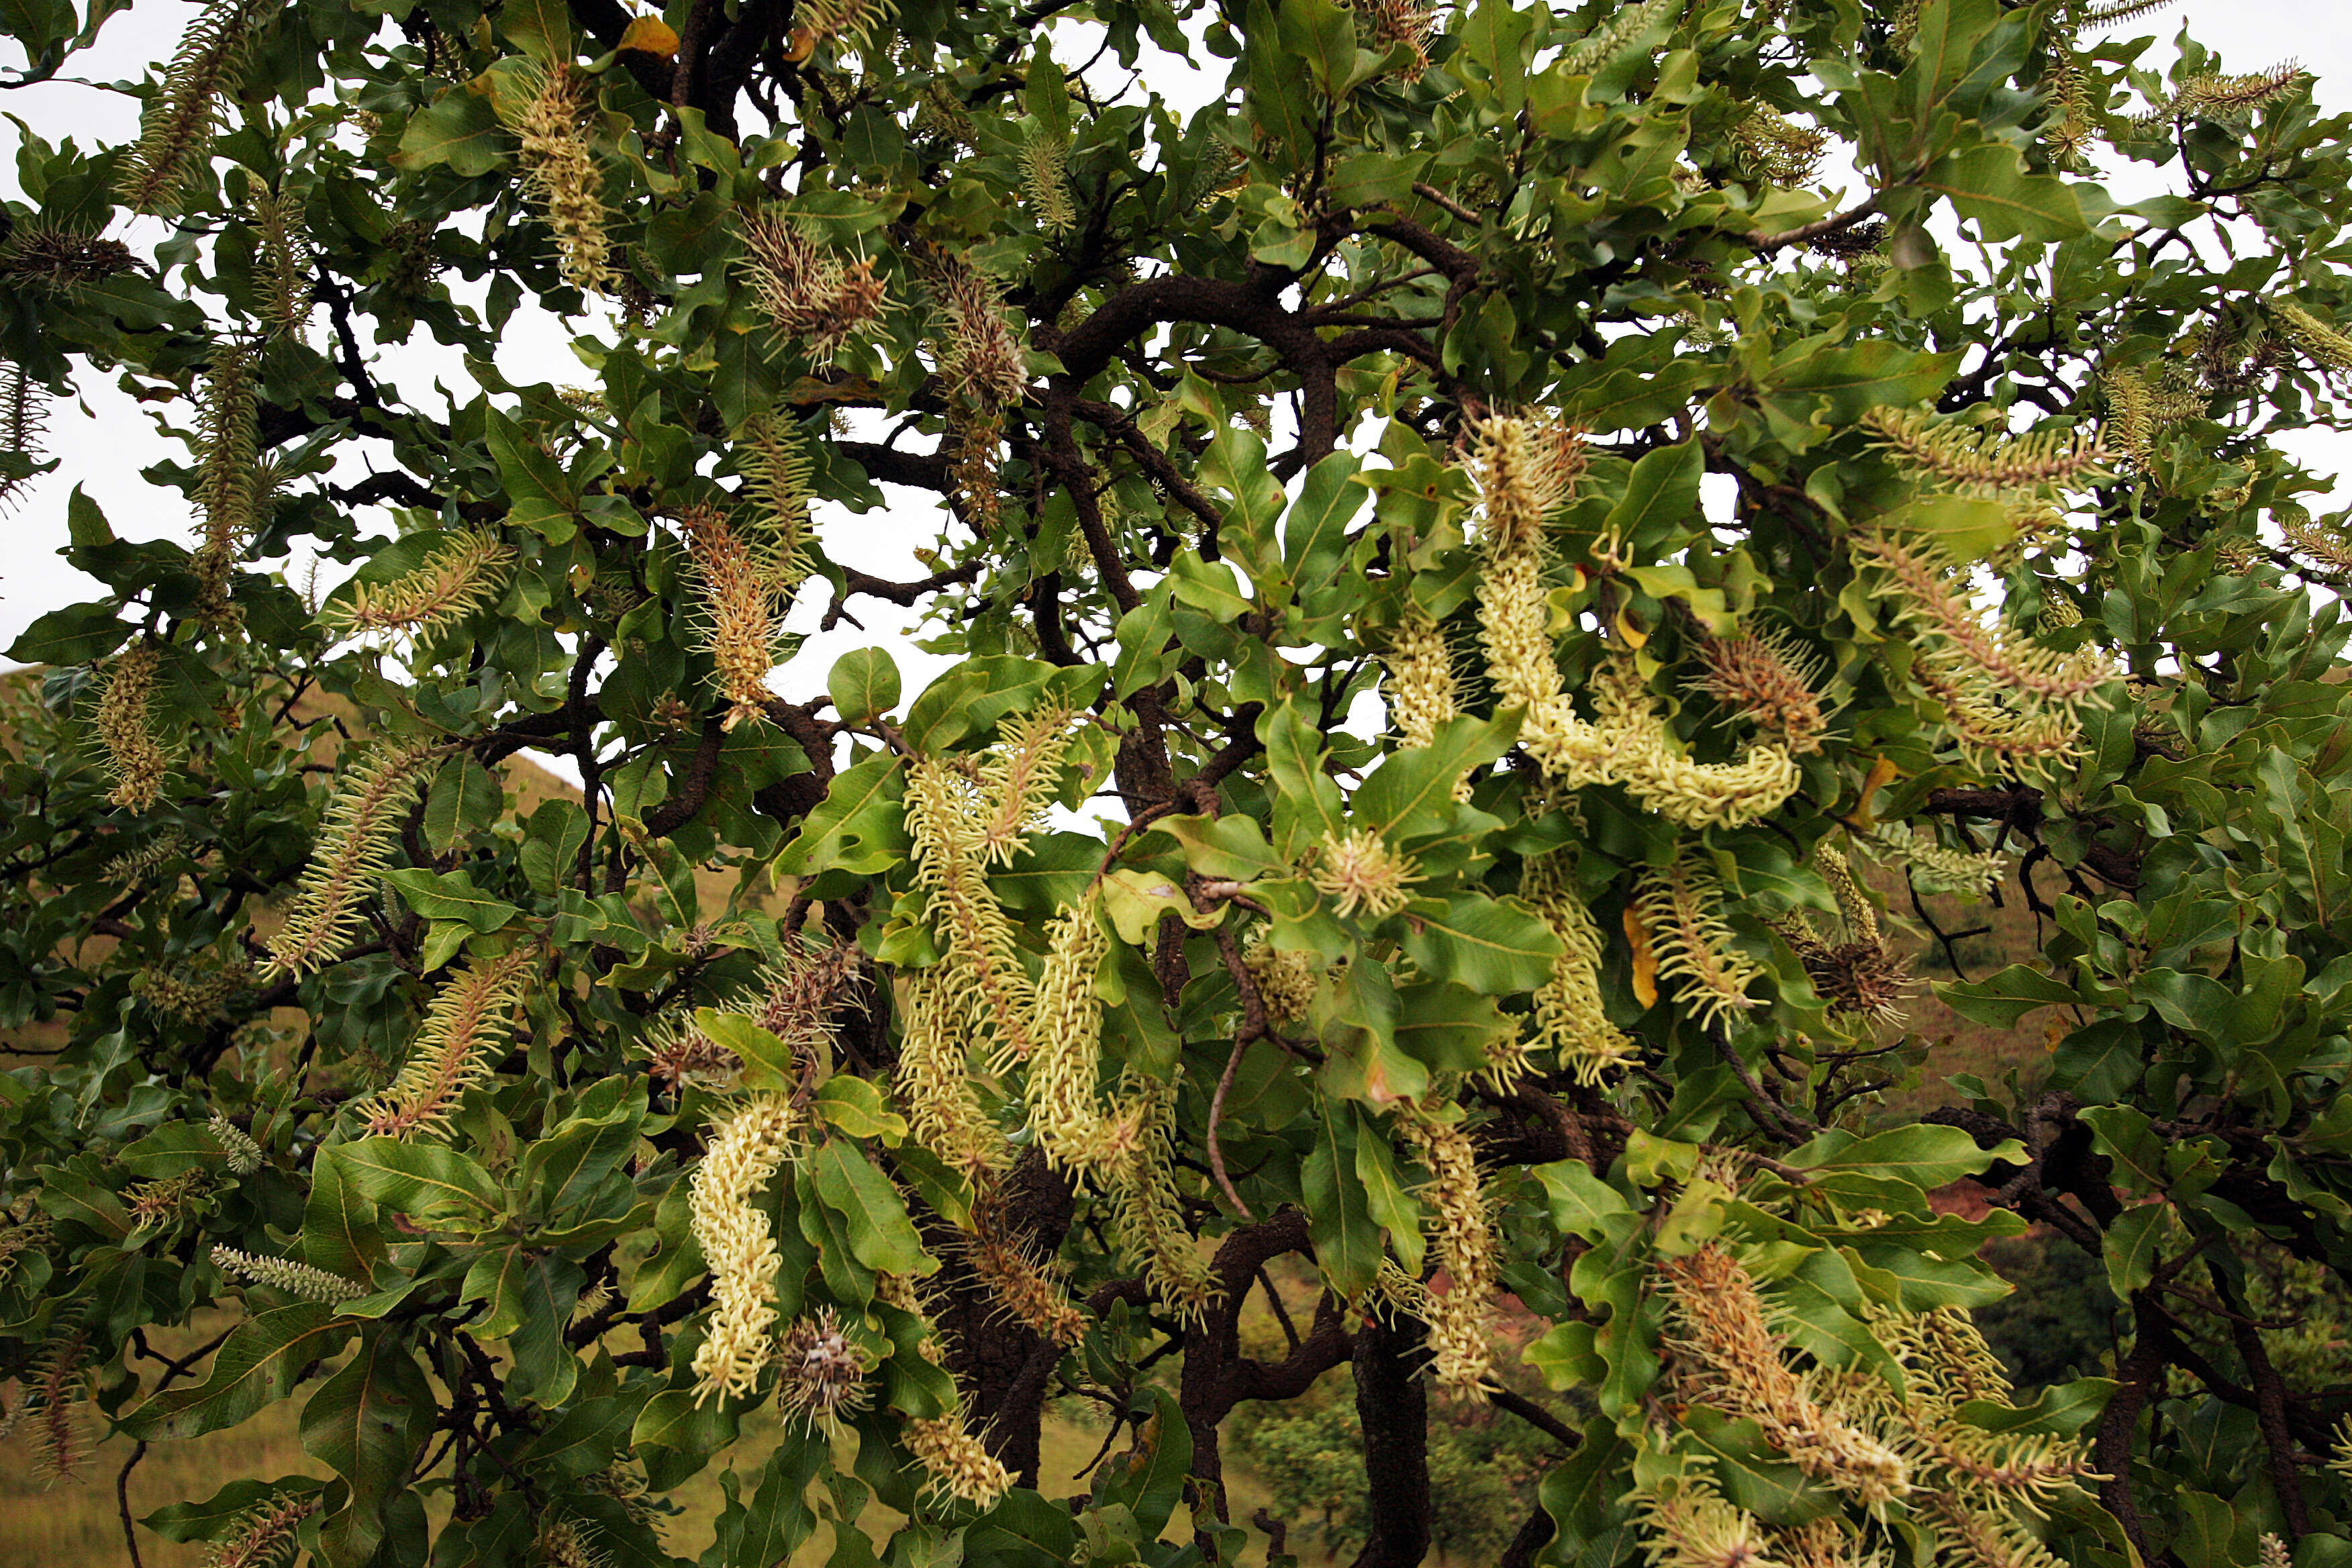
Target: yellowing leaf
{"type": "Point", "coordinates": [1882, 772]}
{"type": "Point", "coordinates": [649, 35]}
{"type": "Point", "coordinates": [1645, 961]}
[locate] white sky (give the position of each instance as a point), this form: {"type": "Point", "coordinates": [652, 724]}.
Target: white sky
{"type": "Point", "coordinates": [103, 438]}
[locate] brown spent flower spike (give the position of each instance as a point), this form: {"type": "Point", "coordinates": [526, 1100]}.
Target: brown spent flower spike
{"type": "Point", "coordinates": [125, 727]}
{"type": "Point", "coordinates": [820, 302]}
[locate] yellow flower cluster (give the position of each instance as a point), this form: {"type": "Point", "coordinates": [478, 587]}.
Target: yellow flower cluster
{"type": "Point", "coordinates": [229, 440]}
{"type": "Point", "coordinates": [1422, 691]}
{"type": "Point", "coordinates": [243, 1153]}
{"type": "Point", "coordinates": [1568, 1017]}
{"type": "Point", "coordinates": [1461, 1232]}
{"type": "Point", "coordinates": [1045, 179]}
{"type": "Point", "coordinates": [354, 848]}
{"type": "Point", "coordinates": [455, 580]}
{"type": "Point", "coordinates": [949, 817]}
{"type": "Point", "coordinates": [1979, 461]}
{"type": "Point", "coordinates": [1524, 467]}
{"type": "Point", "coordinates": [282, 1274]}
{"type": "Point", "coordinates": [1679, 908]}
{"type": "Point", "coordinates": [1732, 1360]}
{"type": "Point", "coordinates": [175, 132]}
{"type": "Point", "coordinates": [471, 1013]}
{"type": "Point", "coordinates": [748, 1147]}
{"type": "Point", "coordinates": [1930, 593]}
{"type": "Point", "coordinates": [740, 587]}
{"type": "Point", "coordinates": [264, 1535]}
{"type": "Point", "coordinates": [285, 264]}
{"type": "Point", "coordinates": [934, 1077]}
{"type": "Point", "coordinates": [1770, 147]}
{"type": "Point", "coordinates": [559, 172]}
{"type": "Point", "coordinates": [774, 458]}
{"type": "Point", "coordinates": [1770, 685]}
{"type": "Point", "coordinates": [1360, 873]}
{"type": "Point", "coordinates": [1147, 1212]}
{"type": "Point", "coordinates": [814, 298]}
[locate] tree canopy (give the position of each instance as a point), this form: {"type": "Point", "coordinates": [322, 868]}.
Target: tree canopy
{"type": "Point", "coordinates": [1488, 606]}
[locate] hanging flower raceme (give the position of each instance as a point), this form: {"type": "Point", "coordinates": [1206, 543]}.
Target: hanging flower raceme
{"type": "Point", "coordinates": [1569, 1017]}
{"type": "Point", "coordinates": [740, 586]}
{"type": "Point", "coordinates": [125, 726]}
{"type": "Point", "coordinates": [453, 582]}
{"type": "Point", "coordinates": [358, 834]}
{"type": "Point", "coordinates": [175, 133]}
{"type": "Point", "coordinates": [1461, 1230]}
{"type": "Point", "coordinates": [469, 1018]}
{"type": "Point", "coordinates": [560, 169]}
{"type": "Point", "coordinates": [748, 1146]}
{"type": "Point", "coordinates": [1732, 1360]}
{"type": "Point", "coordinates": [1679, 907]}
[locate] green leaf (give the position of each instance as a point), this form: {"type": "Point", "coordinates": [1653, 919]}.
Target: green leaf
{"type": "Point", "coordinates": [1662, 492]}
{"type": "Point", "coordinates": [1412, 793]}
{"type": "Point", "coordinates": [768, 1062]}
{"type": "Point", "coordinates": [864, 684]}
{"type": "Point", "coordinates": [209, 1519]}
{"type": "Point", "coordinates": [860, 826]}
{"type": "Point", "coordinates": [1751, 1472]}
{"type": "Point", "coordinates": [255, 1367]}
{"type": "Point", "coordinates": [2002, 999]}
{"type": "Point", "coordinates": [1231, 847]}
{"type": "Point", "coordinates": [416, 1179]}
{"type": "Point", "coordinates": [76, 635]}
{"type": "Point", "coordinates": [2135, 1243]}
{"type": "Point", "coordinates": [459, 128]}
{"type": "Point", "coordinates": [880, 1234]}
{"type": "Point", "coordinates": [363, 1424]}
{"type": "Point", "coordinates": [1582, 1204]}
{"type": "Point", "coordinates": [1392, 1207]}
{"type": "Point", "coordinates": [1495, 946]}
{"type": "Point", "coordinates": [1338, 1213]}
{"type": "Point", "coordinates": [1924, 1155]}
{"type": "Point", "coordinates": [855, 1108]}
{"type": "Point", "coordinates": [451, 895]}
{"type": "Point", "coordinates": [674, 1418]}
{"type": "Point", "coordinates": [1989, 185]}
{"type": "Point", "coordinates": [1315, 530]}
{"type": "Point", "coordinates": [1306, 806]}
{"type": "Point", "coordinates": [339, 1231]}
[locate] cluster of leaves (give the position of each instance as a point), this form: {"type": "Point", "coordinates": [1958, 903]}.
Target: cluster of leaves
{"type": "Point", "coordinates": [826, 1054]}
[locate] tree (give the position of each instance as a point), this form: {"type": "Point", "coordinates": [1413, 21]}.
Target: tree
{"type": "Point", "coordinates": [1471, 581]}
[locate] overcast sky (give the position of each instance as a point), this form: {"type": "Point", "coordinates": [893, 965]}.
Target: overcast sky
{"type": "Point", "coordinates": [103, 438]}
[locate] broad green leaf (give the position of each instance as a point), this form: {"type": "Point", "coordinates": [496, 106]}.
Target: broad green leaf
{"type": "Point", "coordinates": [1989, 185]}
{"type": "Point", "coordinates": [864, 684]}
{"type": "Point", "coordinates": [855, 1108]}
{"type": "Point", "coordinates": [451, 895]}
{"type": "Point", "coordinates": [255, 1367]}
{"type": "Point", "coordinates": [1495, 946]}
{"type": "Point", "coordinates": [879, 1232]}
{"type": "Point", "coordinates": [363, 1424]}
{"type": "Point", "coordinates": [768, 1062]}
{"type": "Point", "coordinates": [860, 826]}
{"type": "Point", "coordinates": [416, 1179]}
{"type": "Point", "coordinates": [1392, 1207]}
{"type": "Point", "coordinates": [1338, 1213]}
